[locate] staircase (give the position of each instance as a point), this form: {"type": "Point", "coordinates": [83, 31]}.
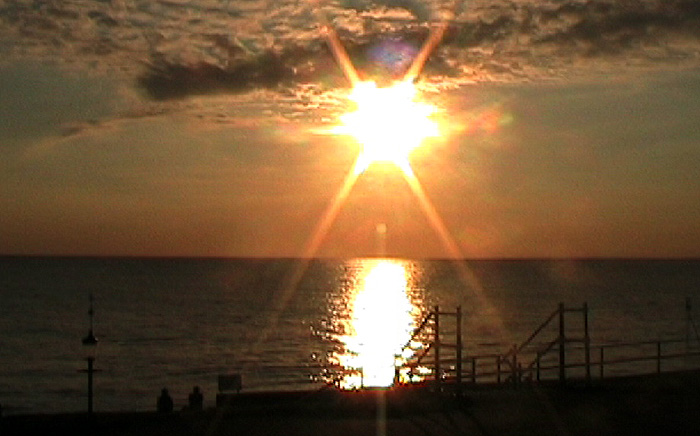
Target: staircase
{"type": "Point", "coordinates": [435, 352]}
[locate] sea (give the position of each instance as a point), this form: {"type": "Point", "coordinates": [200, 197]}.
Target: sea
{"type": "Point", "coordinates": [288, 324]}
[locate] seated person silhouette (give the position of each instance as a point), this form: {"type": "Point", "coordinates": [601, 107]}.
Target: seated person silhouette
{"type": "Point", "coordinates": [196, 399]}
{"type": "Point", "coordinates": [165, 402]}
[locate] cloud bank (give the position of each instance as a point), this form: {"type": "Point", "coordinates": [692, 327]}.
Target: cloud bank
{"type": "Point", "coordinates": [172, 49]}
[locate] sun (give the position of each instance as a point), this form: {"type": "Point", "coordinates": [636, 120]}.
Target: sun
{"type": "Point", "coordinates": [388, 123]}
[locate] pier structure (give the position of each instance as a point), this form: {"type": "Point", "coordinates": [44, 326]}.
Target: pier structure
{"type": "Point", "coordinates": [558, 350]}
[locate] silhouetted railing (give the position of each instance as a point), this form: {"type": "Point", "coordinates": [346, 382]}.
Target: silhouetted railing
{"type": "Point", "coordinates": [431, 336]}
{"type": "Point", "coordinates": [559, 358]}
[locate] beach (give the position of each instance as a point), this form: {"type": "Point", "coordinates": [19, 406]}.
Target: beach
{"type": "Point", "coordinates": [652, 404]}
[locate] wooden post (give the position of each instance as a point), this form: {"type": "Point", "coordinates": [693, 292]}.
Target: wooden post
{"type": "Point", "coordinates": [538, 365]}
{"type": "Point", "coordinates": [498, 369]}
{"type": "Point", "coordinates": [587, 343]}
{"type": "Point", "coordinates": [658, 357]}
{"type": "Point", "coordinates": [474, 370]}
{"type": "Point", "coordinates": [688, 322]}
{"type": "Point", "coordinates": [459, 348]}
{"type": "Point", "coordinates": [436, 346]}
{"type": "Point", "coordinates": [514, 363]}
{"type": "Point", "coordinates": [562, 342]}
{"type": "Point", "coordinates": [90, 371]}
{"type": "Point", "coordinates": [602, 362]}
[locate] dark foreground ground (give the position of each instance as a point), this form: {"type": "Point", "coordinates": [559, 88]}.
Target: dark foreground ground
{"type": "Point", "coordinates": [667, 404]}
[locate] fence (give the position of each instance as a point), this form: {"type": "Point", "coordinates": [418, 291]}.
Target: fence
{"type": "Point", "coordinates": [564, 357]}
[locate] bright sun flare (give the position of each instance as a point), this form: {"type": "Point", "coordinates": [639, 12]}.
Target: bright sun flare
{"type": "Point", "coordinates": [388, 123]}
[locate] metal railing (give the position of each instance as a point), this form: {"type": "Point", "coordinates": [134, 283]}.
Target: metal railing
{"type": "Point", "coordinates": [430, 334]}
{"type": "Point", "coordinates": [560, 358]}
{"type": "Point", "coordinates": [552, 360]}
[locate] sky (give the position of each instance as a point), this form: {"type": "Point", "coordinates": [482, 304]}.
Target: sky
{"type": "Point", "coordinates": [569, 128]}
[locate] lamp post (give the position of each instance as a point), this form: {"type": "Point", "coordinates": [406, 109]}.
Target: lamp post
{"type": "Point", "coordinates": [90, 349]}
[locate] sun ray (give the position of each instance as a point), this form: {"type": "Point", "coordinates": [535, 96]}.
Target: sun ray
{"type": "Point", "coordinates": [339, 52]}
{"type": "Point", "coordinates": [320, 231]}
{"type": "Point", "coordinates": [436, 35]}
{"type": "Point", "coordinates": [433, 216]}
{"type": "Point", "coordinates": [486, 309]}
{"type": "Point", "coordinates": [328, 218]}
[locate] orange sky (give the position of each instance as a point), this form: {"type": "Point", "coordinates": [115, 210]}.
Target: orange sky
{"type": "Point", "coordinates": [578, 158]}
{"type": "Point", "coordinates": [547, 181]}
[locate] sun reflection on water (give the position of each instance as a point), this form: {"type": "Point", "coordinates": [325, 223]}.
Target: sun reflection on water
{"type": "Point", "coordinates": [381, 313]}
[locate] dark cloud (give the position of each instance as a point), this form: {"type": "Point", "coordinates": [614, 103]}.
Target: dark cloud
{"type": "Point", "coordinates": [102, 18]}
{"type": "Point", "coordinates": [526, 40]}
{"type": "Point", "coordinates": [419, 9]}
{"type": "Point", "coordinates": [618, 23]}
{"type": "Point", "coordinates": [477, 33]}
{"type": "Point", "coordinates": [606, 28]}
{"type": "Point", "coordinates": [167, 80]}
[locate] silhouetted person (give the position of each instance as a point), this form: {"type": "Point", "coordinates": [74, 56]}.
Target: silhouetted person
{"type": "Point", "coordinates": [196, 399]}
{"type": "Point", "coordinates": [165, 402]}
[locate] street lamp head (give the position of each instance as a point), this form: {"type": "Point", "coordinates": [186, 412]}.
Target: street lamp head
{"type": "Point", "coordinates": [90, 341]}
{"type": "Point", "coordinates": [90, 346]}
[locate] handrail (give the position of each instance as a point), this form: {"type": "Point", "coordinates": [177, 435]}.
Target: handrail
{"type": "Point", "coordinates": [492, 369]}
{"type": "Point", "coordinates": [418, 329]}
{"type": "Point", "coordinates": [541, 353]}
{"type": "Point", "coordinates": [433, 341]}
{"type": "Point", "coordinates": [517, 349]}
{"type": "Point", "coordinates": [637, 343]}
{"type": "Point", "coordinates": [419, 358]}
{"type": "Point", "coordinates": [655, 355]}
{"type": "Point", "coordinates": [532, 356]}
{"type": "Point", "coordinates": [537, 331]}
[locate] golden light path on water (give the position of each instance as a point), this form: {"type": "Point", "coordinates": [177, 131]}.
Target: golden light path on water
{"type": "Point", "coordinates": [381, 319]}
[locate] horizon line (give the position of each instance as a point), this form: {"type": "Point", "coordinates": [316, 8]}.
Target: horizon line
{"type": "Point", "coordinates": [343, 258]}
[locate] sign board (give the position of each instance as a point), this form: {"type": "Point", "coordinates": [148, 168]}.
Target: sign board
{"type": "Point", "coordinates": [230, 382]}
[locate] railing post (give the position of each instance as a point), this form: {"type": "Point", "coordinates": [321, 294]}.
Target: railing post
{"type": "Point", "coordinates": [688, 321]}
{"type": "Point", "coordinates": [459, 348]}
{"type": "Point", "coordinates": [602, 362]}
{"type": "Point", "coordinates": [587, 343]}
{"type": "Point", "coordinates": [537, 365]}
{"type": "Point", "coordinates": [514, 365]}
{"type": "Point", "coordinates": [658, 357]}
{"type": "Point", "coordinates": [90, 371]}
{"type": "Point", "coordinates": [562, 342]}
{"type": "Point", "coordinates": [474, 370]}
{"type": "Point", "coordinates": [498, 369]}
{"type": "Point", "coordinates": [436, 345]}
